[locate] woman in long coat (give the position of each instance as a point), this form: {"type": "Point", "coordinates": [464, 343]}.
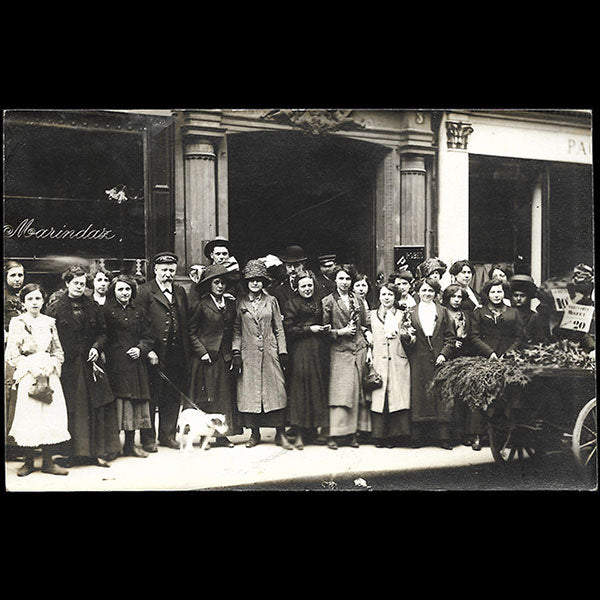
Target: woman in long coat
{"type": "Point", "coordinates": [390, 403]}
{"type": "Point", "coordinates": [259, 355]}
{"type": "Point", "coordinates": [128, 345]}
{"type": "Point", "coordinates": [90, 402]}
{"type": "Point", "coordinates": [212, 387]}
{"type": "Point", "coordinates": [33, 349]}
{"type": "Point", "coordinates": [347, 317]}
{"type": "Point", "coordinates": [305, 335]}
{"type": "Point", "coordinates": [434, 344]}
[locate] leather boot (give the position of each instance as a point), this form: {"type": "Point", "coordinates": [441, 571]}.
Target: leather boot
{"type": "Point", "coordinates": [282, 441]}
{"type": "Point", "coordinates": [49, 466]}
{"type": "Point", "coordinates": [299, 444]}
{"type": "Point", "coordinates": [27, 467]}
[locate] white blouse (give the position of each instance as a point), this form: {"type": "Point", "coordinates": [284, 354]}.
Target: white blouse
{"type": "Point", "coordinates": [427, 316]}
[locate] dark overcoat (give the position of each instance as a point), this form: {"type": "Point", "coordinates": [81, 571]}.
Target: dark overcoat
{"type": "Point", "coordinates": [422, 357]}
{"type": "Point", "coordinates": [127, 327]}
{"type": "Point", "coordinates": [154, 303]}
{"type": "Point", "coordinates": [210, 329]}
{"type": "Point", "coordinates": [90, 401]}
{"type": "Point", "coordinates": [496, 334]}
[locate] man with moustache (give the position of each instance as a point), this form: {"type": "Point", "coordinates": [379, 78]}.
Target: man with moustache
{"type": "Point", "coordinates": [166, 307]}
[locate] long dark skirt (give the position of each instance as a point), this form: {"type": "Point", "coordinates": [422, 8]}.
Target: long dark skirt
{"type": "Point", "coordinates": [212, 389]}
{"type": "Point", "coordinates": [308, 402]}
{"type": "Point", "coordinates": [387, 425]}
{"type": "Point", "coordinates": [94, 430]}
{"type": "Point", "coordinates": [275, 418]}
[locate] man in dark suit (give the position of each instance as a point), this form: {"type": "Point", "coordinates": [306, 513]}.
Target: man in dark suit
{"type": "Point", "coordinates": [166, 306]}
{"type": "Point", "coordinates": [294, 259]}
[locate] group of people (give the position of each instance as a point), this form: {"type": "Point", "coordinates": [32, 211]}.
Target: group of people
{"type": "Point", "coordinates": [273, 344]}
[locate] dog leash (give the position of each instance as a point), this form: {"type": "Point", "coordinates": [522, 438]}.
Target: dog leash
{"type": "Point", "coordinates": [165, 378]}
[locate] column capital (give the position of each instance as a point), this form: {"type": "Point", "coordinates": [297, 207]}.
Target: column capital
{"type": "Point", "coordinates": [458, 134]}
{"type": "Point", "coordinates": [199, 149]}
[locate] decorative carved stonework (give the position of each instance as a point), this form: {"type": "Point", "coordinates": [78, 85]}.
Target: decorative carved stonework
{"type": "Point", "coordinates": [203, 150]}
{"type": "Point", "coordinates": [314, 121]}
{"type": "Point", "coordinates": [458, 134]}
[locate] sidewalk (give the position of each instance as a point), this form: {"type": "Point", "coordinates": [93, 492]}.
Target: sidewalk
{"type": "Point", "coordinates": [170, 470]}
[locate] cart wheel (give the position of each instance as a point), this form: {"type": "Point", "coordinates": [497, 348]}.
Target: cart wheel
{"type": "Point", "coordinates": [508, 442]}
{"type": "Point", "coordinates": [585, 440]}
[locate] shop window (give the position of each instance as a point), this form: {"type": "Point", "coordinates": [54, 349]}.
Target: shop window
{"type": "Point", "coordinates": [570, 217]}
{"type": "Point", "coordinates": [500, 194]}
{"type": "Point", "coordinates": [56, 201]}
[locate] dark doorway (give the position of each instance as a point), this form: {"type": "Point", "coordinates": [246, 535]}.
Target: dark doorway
{"type": "Point", "coordinates": [294, 188]}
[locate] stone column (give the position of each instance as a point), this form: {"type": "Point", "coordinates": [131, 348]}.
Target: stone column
{"type": "Point", "coordinates": [413, 204]}
{"type": "Point", "coordinates": [536, 235]}
{"type": "Point", "coordinates": [200, 197]}
{"type": "Point", "coordinates": [453, 192]}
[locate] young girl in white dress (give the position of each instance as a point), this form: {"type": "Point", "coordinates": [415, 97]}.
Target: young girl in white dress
{"type": "Point", "coordinates": [34, 350]}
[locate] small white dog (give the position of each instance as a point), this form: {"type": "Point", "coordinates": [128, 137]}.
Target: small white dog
{"type": "Point", "coordinates": [200, 424]}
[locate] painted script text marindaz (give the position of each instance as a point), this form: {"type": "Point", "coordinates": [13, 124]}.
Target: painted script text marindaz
{"type": "Point", "coordinates": [26, 229]}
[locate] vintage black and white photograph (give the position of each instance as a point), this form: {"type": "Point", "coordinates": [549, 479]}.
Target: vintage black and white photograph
{"type": "Point", "coordinates": [299, 299]}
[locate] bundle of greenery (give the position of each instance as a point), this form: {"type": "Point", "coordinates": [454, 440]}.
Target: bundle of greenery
{"type": "Point", "coordinates": [479, 381]}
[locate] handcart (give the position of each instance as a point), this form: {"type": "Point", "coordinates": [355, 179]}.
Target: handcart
{"type": "Point", "coordinates": [555, 412]}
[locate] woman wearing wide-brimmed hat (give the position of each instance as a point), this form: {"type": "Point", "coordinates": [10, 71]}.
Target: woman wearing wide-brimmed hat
{"type": "Point", "coordinates": [259, 355]}
{"type": "Point", "coordinates": [212, 387]}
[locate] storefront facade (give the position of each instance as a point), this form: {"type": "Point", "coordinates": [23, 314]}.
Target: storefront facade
{"type": "Point", "coordinates": [370, 185]}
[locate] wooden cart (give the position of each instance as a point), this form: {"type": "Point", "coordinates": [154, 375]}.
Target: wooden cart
{"type": "Point", "coordinates": [555, 412]}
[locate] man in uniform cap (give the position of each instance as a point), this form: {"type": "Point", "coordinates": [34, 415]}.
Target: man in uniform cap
{"type": "Point", "coordinates": [294, 259]}
{"type": "Point", "coordinates": [166, 306]}
{"type": "Point", "coordinates": [324, 284]}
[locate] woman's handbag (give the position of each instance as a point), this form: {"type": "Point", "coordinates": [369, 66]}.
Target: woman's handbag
{"type": "Point", "coordinates": [372, 380]}
{"type": "Point", "coordinates": [41, 390]}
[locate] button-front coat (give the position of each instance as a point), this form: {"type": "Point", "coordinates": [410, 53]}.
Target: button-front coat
{"type": "Point", "coordinates": [496, 334]}
{"type": "Point", "coordinates": [127, 327]}
{"type": "Point", "coordinates": [156, 307]}
{"type": "Point", "coordinates": [348, 354]}
{"type": "Point", "coordinates": [391, 362]}
{"type": "Point", "coordinates": [423, 355]}
{"type": "Point", "coordinates": [260, 337]}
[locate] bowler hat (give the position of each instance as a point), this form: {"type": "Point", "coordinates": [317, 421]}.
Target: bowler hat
{"type": "Point", "coordinates": [218, 241]}
{"type": "Point", "coordinates": [256, 268]}
{"type": "Point", "coordinates": [293, 254]}
{"type": "Point", "coordinates": [524, 283]}
{"type": "Point", "coordinates": [165, 258]}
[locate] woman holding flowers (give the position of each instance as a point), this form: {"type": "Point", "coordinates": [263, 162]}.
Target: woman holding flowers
{"type": "Point", "coordinates": [392, 331]}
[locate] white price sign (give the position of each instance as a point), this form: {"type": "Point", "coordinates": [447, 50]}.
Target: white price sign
{"type": "Point", "coordinates": [561, 298]}
{"type": "Point", "coordinates": [578, 317]}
